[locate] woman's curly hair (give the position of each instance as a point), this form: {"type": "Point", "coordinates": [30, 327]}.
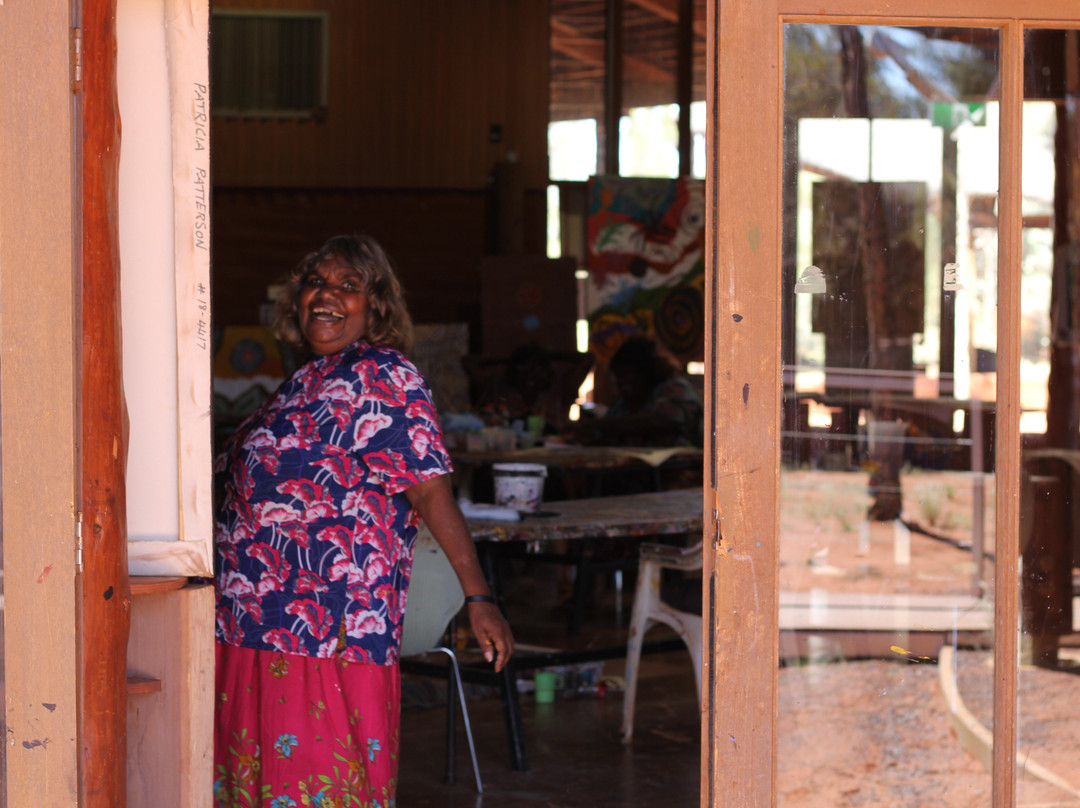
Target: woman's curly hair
{"type": "Point", "coordinates": [388, 320]}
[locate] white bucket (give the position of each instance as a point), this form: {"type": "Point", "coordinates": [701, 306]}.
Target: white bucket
{"type": "Point", "coordinates": [519, 485]}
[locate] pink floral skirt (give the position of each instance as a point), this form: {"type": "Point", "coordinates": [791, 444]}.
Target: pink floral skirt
{"type": "Point", "coordinates": [298, 731]}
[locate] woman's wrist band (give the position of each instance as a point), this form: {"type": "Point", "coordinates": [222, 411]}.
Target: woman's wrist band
{"type": "Point", "coordinates": [479, 599]}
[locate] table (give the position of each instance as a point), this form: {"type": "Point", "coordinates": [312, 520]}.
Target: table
{"type": "Point", "coordinates": [596, 462]}
{"type": "Point", "coordinates": [634, 517]}
{"type": "Point", "coordinates": [639, 515]}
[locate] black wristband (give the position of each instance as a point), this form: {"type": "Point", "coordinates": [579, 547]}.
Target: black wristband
{"type": "Point", "coordinates": [479, 599]}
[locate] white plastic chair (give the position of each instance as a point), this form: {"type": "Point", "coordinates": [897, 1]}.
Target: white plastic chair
{"type": "Point", "coordinates": [649, 610]}
{"type": "Point", "coordinates": [435, 597]}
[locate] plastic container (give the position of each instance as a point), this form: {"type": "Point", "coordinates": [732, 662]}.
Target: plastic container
{"type": "Point", "coordinates": [547, 682]}
{"type": "Point", "coordinates": [519, 485]}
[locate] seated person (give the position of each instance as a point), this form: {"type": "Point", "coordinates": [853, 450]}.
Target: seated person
{"type": "Point", "coordinates": [534, 381]}
{"type": "Point", "coordinates": [656, 404]}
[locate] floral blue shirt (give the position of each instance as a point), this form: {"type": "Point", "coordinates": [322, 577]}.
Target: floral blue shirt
{"type": "Point", "coordinates": [314, 533]}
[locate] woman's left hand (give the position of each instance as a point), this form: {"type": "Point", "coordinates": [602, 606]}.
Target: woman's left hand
{"type": "Point", "coordinates": [492, 632]}
{"type": "Point", "coordinates": [435, 502]}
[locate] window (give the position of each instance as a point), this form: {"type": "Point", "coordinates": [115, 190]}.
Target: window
{"type": "Point", "coordinates": [269, 64]}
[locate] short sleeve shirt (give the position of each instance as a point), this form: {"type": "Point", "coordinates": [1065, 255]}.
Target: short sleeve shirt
{"type": "Point", "coordinates": [313, 530]}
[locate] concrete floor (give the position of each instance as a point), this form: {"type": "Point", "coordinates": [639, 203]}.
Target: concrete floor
{"type": "Point", "coordinates": [575, 752]}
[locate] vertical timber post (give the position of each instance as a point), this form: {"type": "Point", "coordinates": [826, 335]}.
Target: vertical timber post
{"type": "Point", "coordinates": [105, 590]}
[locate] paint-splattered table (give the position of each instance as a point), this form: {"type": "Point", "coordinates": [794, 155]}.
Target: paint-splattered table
{"type": "Point", "coordinates": [578, 523]}
{"type": "Point", "coordinates": [583, 470]}
{"type": "Point", "coordinates": [637, 515]}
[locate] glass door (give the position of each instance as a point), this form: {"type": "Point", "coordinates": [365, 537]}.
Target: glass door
{"type": "Point", "coordinates": [895, 404]}
{"type": "Point", "coordinates": [886, 538]}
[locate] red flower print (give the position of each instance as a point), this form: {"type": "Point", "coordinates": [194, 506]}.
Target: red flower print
{"type": "Point", "coordinates": [339, 568]}
{"type": "Point", "coordinates": [344, 469]}
{"type": "Point", "coordinates": [361, 596]}
{"type": "Point", "coordinates": [320, 510]}
{"type": "Point", "coordinates": [268, 456]}
{"type": "Point", "coordinates": [337, 535]}
{"type": "Point", "coordinates": [236, 585]}
{"type": "Point", "coordinates": [296, 533]}
{"type": "Point", "coordinates": [369, 425]}
{"type": "Point", "coordinates": [386, 463]}
{"type": "Point", "coordinates": [405, 378]}
{"type": "Point", "coordinates": [328, 650]}
{"type": "Point", "coordinates": [228, 552]}
{"type": "Point", "coordinates": [390, 468]}
{"type": "Point", "coordinates": [306, 431]}
{"type": "Point", "coordinates": [359, 624]}
{"type": "Point", "coordinates": [354, 654]}
{"type": "Point", "coordinates": [374, 506]}
{"type": "Point", "coordinates": [376, 386]}
{"type": "Point", "coordinates": [310, 582]}
{"type": "Point", "coordinates": [388, 595]}
{"type": "Point", "coordinates": [422, 439]}
{"type": "Point", "coordinates": [306, 491]}
{"type": "Point", "coordinates": [338, 390]}
{"type": "Point", "coordinates": [350, 504]}
{"type": "Point", "coordinates": [270, 512]}
{"type": "Point", "coordinates": [268, 582]}
{"type": "Point", "coordinates": [244, 482]}
{"type": "Point", "coordinates": [271, 559]}
{"type": "Point", "coordinates": [376, 567]}
{"type": "Point", "coordinates": [366, 370]}
{"type": "Point", "coordinates": [421, 410]}
{"type": "Point", "coordinates": [283, 640]}
{"type": "Point", "coordinates": [230, 629]}
{"type": "Point", "coordinates": [251, 607]}
{"type": "Point", "coordinates": [341, 413]}
{"type": "Point", "coordinates": [261, 438]}
{"type": "Point", "coordinates": [315, 616]}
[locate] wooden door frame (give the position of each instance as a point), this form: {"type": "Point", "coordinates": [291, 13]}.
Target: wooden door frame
{"type": "Point", "coordinates": [105, 593]}
{"type": "Point", "coordinates": [743, 390]}
{"type": "Point", "coordinates": [39, 258]}
{"type": "Point", "coordinates": [61, 409]}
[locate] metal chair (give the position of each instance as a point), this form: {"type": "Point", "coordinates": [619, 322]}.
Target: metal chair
{"type": "Point", "coordinates": [649, 610]}
{"type": "Point", "coordinates": [435, 597]}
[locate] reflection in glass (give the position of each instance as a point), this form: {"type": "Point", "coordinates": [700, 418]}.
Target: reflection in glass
{"type": "Point", "coordinates": [1048, 731]}
{"type": "Point", "coordinates": [889, 345]}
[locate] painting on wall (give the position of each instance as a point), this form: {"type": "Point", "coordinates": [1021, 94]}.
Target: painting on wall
{"type": "Point", "coordinates": [645, 256]}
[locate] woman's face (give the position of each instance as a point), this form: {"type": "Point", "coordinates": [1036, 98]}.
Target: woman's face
{"type": "Point", "coordinates": [332, 307]}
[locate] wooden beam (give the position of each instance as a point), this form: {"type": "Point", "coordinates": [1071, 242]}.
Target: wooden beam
{"type": "Point", "coordinates": [38, 372]}
{"type": "Point", "coordinates": [684, 84]}
{"type": "Point", "coordinates": [106, 596]}
{"type": "Point", "coordinates": [1007, 423]}
{"type": "Point", "coordinates": [743, 398]}
{"type": "Point", "coordinates": [669, 10]}
{"type": "Point", "coordinates": [613, 87]}
{"type": "Point", "coordinates": [591, 51]}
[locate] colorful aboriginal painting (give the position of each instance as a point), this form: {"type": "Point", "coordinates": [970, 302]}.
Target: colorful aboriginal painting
{"type": "Point", "coordinates": [646, 249]}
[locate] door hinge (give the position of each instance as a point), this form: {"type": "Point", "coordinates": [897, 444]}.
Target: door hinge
{"type": "Point", "coordinates": [78, 542]}
{"type": "Point", "coordinates": [76, 61]}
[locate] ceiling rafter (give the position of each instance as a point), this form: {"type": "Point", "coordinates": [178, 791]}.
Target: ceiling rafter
{"type": "Point", "coordinates": [668, 10]}
{"type": "Point", "coordinates": [569, 41]}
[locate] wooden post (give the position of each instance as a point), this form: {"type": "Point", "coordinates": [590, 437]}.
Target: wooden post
{"type": "Point", "coordinates": [613, 77]}
{"type": "Point", "coordinates": [1046, 573]}
{"type": "Point", "coordinates": [684, 84]}
{"type": "Point", "coordinates": [105, 591]}
{"type": "Point", "coordinates": [38, 389]}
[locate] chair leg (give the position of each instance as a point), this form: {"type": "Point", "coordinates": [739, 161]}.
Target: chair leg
{"type": "Point", "coordinates": [515, 730]}
{"type": "Point", "coordinates": [648, 588]}
{"type": "Point", "coordinates": [452, 683]}
{"type": "Point", "coordinates": [456, 676]}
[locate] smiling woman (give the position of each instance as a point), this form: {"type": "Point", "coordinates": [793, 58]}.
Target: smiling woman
{"type": "Point", "coordinates": [352, 284]}
{"type": "Point", "coordinates": [320, 493]}
{"type": "Point", "coordinates": [332, 307]}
